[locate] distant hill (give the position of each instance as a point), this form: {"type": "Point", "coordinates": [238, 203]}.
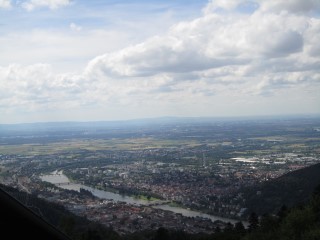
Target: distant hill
{"type": "Point", "coordinates": [292, 189]}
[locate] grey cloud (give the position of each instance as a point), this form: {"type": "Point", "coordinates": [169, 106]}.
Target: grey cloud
{"type": "Point", "coordinates": [226, 54]}
{"type": "Point", "coordinates": [287, 43]}
{"type": "Point", "coordinates": [296, 6]}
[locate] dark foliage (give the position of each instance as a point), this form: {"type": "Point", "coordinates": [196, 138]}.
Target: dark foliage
{"type": "Point", "coordinates": [302, 222]}
{"type": "Point", "coordinates": [290, 189]}
{"type": "Point", "coordinates": [74, 226]}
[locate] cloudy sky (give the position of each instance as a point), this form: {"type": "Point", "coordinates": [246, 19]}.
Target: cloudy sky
{"type": "Point", "coordinates": [63, 60]}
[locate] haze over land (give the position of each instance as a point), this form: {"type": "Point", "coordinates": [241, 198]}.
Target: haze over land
{"type": "Point", "coordinates": [221, 169]}
{"type": "Point", "coordinates": [65, 60]}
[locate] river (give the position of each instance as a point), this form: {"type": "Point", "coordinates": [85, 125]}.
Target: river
{"type": "Point", "coordinates": [62, 181]}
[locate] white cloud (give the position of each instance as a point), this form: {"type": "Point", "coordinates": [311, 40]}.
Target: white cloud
{"type": "Point", "coordinates": [221, 4]}
{"type": "Point", "coordinates": [5, 4]}
{"type": "Point", "coordinates": [52, 4]}
{"type": "Point", "coordinates": [298, 6]}
{"type": "Point", "coordinates": [233, 42]}
{"type": "Point", "coordinates": [235, 51]}
{"type": "Point", "coordinates": [75, 27]}
{"type": "Point", "coordinates": [66, 50]}
{"type": "Point", "coordinates": [218, 61]}
{"type": "Point", "coordinates": [37, 87]}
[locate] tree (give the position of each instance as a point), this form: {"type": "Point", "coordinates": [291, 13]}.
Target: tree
{"type": "Point", "coordinates": [161, 234]}
{"type": "Point", "coordinates": [298, 222]}
{"type": "Point", "coordinates": [217, 229]}
{"type": "Point", "coordinates": [269, 223]}
{"type": "Point", "coordinates": [316, 192]}
{"type": "Point", "coordinates": [67, 225]}
{"type": "Point", "coordinates": [283, 212]}
{"type": "Point", "coordinates": [91, 235]}
{"type": "Point", "coordinates": [253, 221]}
{"type": "Point", "coordinates": [228, 228]}
{"type": "Point", "coordinates": [239, 228]}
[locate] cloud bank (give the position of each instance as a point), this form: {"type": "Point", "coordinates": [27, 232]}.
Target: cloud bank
{"type": "Point", "coordinates": [236, 53]}
{"type": "Point", "coordinates": [265, 46]}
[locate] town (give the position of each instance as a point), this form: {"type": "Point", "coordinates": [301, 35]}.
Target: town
{"type": "Point", "coordinates": [201, 167]}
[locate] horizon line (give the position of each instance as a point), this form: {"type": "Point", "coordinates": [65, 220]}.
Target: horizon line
{"type": "Point", "coordinates": [244, 117]}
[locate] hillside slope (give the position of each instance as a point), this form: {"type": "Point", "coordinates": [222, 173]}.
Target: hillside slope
{"type": "Point", "coordinates": [17, 215]}
{"type": "Point", "coordinates": [291, 189]}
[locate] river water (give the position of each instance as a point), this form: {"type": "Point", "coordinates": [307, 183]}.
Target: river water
{"type": "Point", "coordinates": [61, 180]}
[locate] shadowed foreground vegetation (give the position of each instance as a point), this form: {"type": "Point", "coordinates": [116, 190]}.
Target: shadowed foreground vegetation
{"type": "Point", "coordinates": [300, 222]}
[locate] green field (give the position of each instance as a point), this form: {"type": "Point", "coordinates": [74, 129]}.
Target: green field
{"type": "Point", "coordinates": [94, 145]}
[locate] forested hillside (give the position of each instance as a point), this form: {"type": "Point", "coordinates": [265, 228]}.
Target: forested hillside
{"type": "Point", "coordinates": [291, 189]}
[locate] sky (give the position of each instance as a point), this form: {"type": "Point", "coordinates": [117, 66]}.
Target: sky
{"type": "Point", "coordinates": [79, 60]}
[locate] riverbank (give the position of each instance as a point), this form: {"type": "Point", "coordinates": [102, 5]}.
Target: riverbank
{"type": "Point", "coordinates": [62, 181]}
